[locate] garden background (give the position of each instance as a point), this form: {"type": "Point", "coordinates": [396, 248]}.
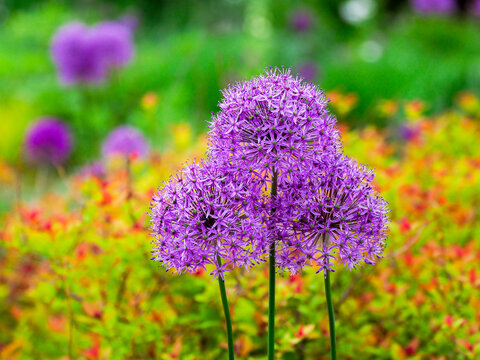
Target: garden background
{"type": "Point", "coordinates": [76, 281]}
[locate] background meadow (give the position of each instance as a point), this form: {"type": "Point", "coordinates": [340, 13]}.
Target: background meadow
{"type": "Point", "coordinates": [76, 281]}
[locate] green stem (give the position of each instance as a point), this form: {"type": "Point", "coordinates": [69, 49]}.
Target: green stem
{"type": "Point", "coordinates": [228, 320]}
{"type": "Point", "coordinates": [331, 317]}
{"type": "Point", "coordinates": [271, 304]}
{"type": "Point", "coordinates": [271, 284]}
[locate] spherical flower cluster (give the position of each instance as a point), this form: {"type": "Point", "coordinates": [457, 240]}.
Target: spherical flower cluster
{"type": "Point", "coordinates": [475, 10]}
{"type": "Point", "coordinates": [203, 216]}
{"type": "Point", "coordinates": [95, 169]}
{"type": "Point", "coordinates": [85, 54]}
{"type": "Point", "coordinates": [301, 20]}
{"type": "Point", "coordinates": [48, 141]}
{"type": "Point", "coordinates": [408, 132]}
{"type": "Point", "coordinates": [125, 141]}
{"type": "Point", "coordinates": [434, 6]}
{"type": "Point", "coordinates": [131, 21]}
{"type": "Point", "coordinates": [274, 123]}
{"type": "Point", "coordinates": [338, 216]}
{"type": "Point", "coordinates": [114, 43]}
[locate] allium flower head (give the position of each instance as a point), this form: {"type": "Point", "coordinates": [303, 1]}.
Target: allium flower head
{"type": "Point", "coordinates": [408, 132]}
{"type": "Point", "coordinates": [125, 141]}
{"type": "Point", "coordinates": [131, 21]}
{"type": "Point", "coordinates": [301, 20]}
{"type": "Point", "coordinates": [273, 123]}
{"type": "Point", "coordinates": [434, 6]}
{"type": "Point", "coordinates": [48, 141]}
{"type": "Point", "coordinates": [339, 216]}
{"type": "Point", "coordinates": [85, 54]}
{"type": "Point", "coordinates": [75, 55]}
{"type": "Point", "coordinates": [113, 41]}
{"type": "Point", "coordinates": [475, 9]}
{"type": "Point", "coordinates": [204, 214]}
{"type": "Point", "coordinates": [96, 169]}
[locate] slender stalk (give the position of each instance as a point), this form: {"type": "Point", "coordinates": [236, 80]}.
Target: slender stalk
{"type": "Point", "coordinates": [331, 317]}
{"type": "Point", "coordinates": [228, 320]}
{"type": "Point", "coordinates": [271, 284]}
{"type": "Point", "coordinates": [271, 303]}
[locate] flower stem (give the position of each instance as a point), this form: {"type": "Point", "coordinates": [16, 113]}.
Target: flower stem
{"type": "Point", "coordinates": [331, 317]}
{"type": "Point", "coordinates": [271, 284]}
{"type": "Point", "coordinates": [271, 303]}
{"type": "Point", "coordinates": [228, 320]}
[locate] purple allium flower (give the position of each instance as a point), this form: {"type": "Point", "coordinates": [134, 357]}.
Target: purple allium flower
{"type": "Point", "coordinates": [126, 141]}
{"type": "Point", "coordinates": [434, 6]}
{"type": "Point", "coordinates": [338, 216]}
{"type": "Point", "coordinates": [48, 141]}
{"type": "Point", "coordinates": [96, 169]}
{"type": "Point", "coordinates": [130, 21]}
{"type": "Point", "coordinates": [113, 41]}
{"type": "Point", "coordinates": [408, 132]}
{"type": "Point", "coordinates": [301, 20]}
{"type": "Point", "coordinates": [476, 8]}
{"type": "Point", "coordinates": [203, 215]}
{"type": "Point", "coordinates": [87, 54]}
{"type": "Point", "coordinates": [75, 55]}
{"type": "Point", "coordinates": [273, 123]}
{"type": "Point", "coordinates": [308, 70]}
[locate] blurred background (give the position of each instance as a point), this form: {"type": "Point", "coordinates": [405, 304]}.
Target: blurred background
{"type": "Point", "coordinates": [100, 101]}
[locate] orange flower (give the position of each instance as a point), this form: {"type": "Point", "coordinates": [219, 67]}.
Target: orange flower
{"type": "Point", "coordinates": [149, 100]}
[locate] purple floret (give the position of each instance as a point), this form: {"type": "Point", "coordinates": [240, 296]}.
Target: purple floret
{"type": "Point", "coordinates": [48, 141]}
{"type": "Point", "coordinates": [203, 215]}
{"type": "Point", "coordinates": [125, 141]}
{"type": "Point", "coordinates": [434, 6]}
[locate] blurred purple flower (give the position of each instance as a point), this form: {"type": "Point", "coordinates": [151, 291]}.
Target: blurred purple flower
{"type": "Point", "coordinates": [434, 6]}
{"type": "Point", "coordinates": [125, 141]}
{"type": "Point", "coordinates": [75, 56]}
{"type": "Point", "coordinates": [48, 141]}
{"type": "Point", "coordinates": [96, 169]}
{"type": "Point", "coordinates": [113, 41]}
{"type": "Point", "coordinates": [408, 132]}
{"type": "Point", "coordinates": [308, 70]}
{"type": "Point", "coordinates": [131, 22]}
{"type": "Point", "coordinates": [86, 54]}
{"type": "Point", "coordinates": [476, 8]}
{"type": "Point", "coordinates": [301, 20]}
